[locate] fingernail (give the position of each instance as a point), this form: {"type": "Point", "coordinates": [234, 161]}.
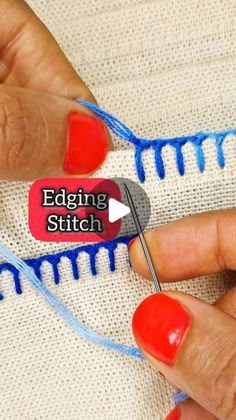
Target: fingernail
{"type": "Point", "coordinates": [174, 414]}
{"type": "Point", "coordinates": [130, 243]}
{"type": "Point", "coordinates": [159, 326]}
{"type": "Point", "coordinates": [87, 144]}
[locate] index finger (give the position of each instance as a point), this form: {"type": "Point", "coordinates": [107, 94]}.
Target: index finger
{"type": "Point", "coordinates": [190, 247]}
{"type": "Point", "coordinates": [31, 57]}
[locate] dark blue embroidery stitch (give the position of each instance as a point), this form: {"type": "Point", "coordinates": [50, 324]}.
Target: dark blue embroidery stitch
{"type": "Point", "coordinates": [72, 254]}
{"type": "Point", "coordinates": [141, 144]}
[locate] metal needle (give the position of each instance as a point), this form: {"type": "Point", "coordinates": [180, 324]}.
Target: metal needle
{"type": "Point", "coordinates": [142, 239]}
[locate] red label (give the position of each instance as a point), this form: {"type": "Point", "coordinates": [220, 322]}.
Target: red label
{"type": "Point", "coordinates": [72, 210]}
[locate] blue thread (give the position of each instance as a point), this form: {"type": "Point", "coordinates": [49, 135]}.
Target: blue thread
{"type": "Point", "coordinates": [179, 159]}
{"type": "Point", "coordinates": [180, 397]}
{"type": "Point", "coordinates": [139, 164]}
{"type": "Point", "coordinates": [56, 272]}
{"type": "Point", "coordinates": [111, 255]}
{"type": "Point", "coordinates": [17, 282]}
{"type": "Point", "coordinates": [200, 156]}
{"type": "Point", "coordinates": [141, 144]}
{"type": "Point", "coordinates": [61, 309]}
{"type": "Point", "coordinates": [75, 269]}
{"type": "Point", "coordinates": [92, 255]}
{"type": "Point", "coordinates": [159, 162]}
{"type": "Point", "coordinates": [71, 254]}
{"type": "Point", "coordinates": [220, 153]}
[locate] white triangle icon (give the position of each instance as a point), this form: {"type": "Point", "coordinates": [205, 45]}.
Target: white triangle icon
{"type": "Point", "coordinates": [116, 210]}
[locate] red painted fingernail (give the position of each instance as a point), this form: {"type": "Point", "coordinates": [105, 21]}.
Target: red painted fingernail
{"type": "Point", "coordinates": [159, 326]}
{"type": "Point", "coordinates": [130, 243]}
{"type": "Point", "coordinates": [87, 144]}
{"type": "Point", "coordinates": [174, 414]}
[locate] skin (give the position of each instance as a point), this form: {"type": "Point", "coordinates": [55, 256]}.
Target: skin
{"type": "Point", "coordinates": [205, 365]}
{"type": "Point", "coordinates": [37, 85]}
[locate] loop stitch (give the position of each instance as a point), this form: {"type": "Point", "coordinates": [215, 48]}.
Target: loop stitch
{"type": "Point", "coordinates": [141, 144]}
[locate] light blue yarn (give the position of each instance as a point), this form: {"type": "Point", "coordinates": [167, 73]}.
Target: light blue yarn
{"type": "Point", "coordinates": [180, 397]}
{"type": "Point", "coordinates": [61, 309]}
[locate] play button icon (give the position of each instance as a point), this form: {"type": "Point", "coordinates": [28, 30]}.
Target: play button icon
{"type": "Point", "coordinates": [116, 210]}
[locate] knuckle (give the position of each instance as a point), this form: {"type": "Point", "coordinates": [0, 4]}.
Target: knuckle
{"type": "Point", "coordinates": [19, 133]}
{"type": "Point", "coordinates": [13, 132]}
{"type": "Point", "coordinates": [224, 388]}
{"type": "Point", "coordinates": [216, 372]}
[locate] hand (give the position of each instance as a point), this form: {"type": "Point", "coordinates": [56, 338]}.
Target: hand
{"type": "Point", "coordinates": [191, 342]}
{"type": "Point", "coordinates": [37, 83]}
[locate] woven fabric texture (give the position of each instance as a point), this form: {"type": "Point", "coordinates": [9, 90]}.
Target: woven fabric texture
{"type": "Point", "coordinates": [166, 68]}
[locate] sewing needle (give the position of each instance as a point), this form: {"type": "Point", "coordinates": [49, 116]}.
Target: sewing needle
{"type": "Point", "coordinates": [142, 239]}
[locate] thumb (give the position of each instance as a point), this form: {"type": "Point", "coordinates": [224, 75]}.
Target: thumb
{"type": "Point", "coordinates": [189, 409]}
{"type": "Point", "coordinates": [193, 344]}
{"type": "Point", "coordinates": [47, 136]}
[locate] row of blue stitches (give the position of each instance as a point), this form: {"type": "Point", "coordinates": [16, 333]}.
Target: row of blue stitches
{"type": "Point", "coordinates": [141, 144]}
{"type": "Point", "coordinates": [72, 254]}
{"type": "Point", "coordinates": [63, 311]}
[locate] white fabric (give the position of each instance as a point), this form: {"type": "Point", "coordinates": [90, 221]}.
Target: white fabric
{"type": "Point", "coordinates": [166, 68]}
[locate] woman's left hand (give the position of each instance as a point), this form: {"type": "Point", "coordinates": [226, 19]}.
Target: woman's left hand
{"type": "Point", "coordinates": [42, 132]}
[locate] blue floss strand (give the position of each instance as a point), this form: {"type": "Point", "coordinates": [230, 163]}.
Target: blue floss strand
{"type": "Point", "coordinates": [74, 265]}
{"type": "Point", "coordinates": [111, 256]}
{"type": "Point", "coordinates": [92, 256]}
{"type": "Point", "coordinates": [56, 273]}
{"type": "Point", "coordinates": [36, 265]}
{"type": "Point", "coordinates": [17, 281]}
{"type": "Point", "coordinates": [200, 157]}
{"type": "Point", "coordinates": [180, 397]}
{"type": "Point", "coordinates": [141, 144]}
{"type": "Point", "coordinates": [220, 152]}
{"type": "Point", "coordinates": [159, 162]}
{"type": "Point", "coordinates": [179, 159]}
{"type": "Point", "coordinates": [71, 255]}
{"type": "Point", "coordinates": [117, 126]}
{"type": "Point", "coordinates": [139, 164]}
{"type": "Point", "coordinates": [62, 310]}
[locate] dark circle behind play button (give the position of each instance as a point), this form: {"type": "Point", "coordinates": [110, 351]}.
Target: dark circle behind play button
{"type": "Point", "coordinates": [141, 202]}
